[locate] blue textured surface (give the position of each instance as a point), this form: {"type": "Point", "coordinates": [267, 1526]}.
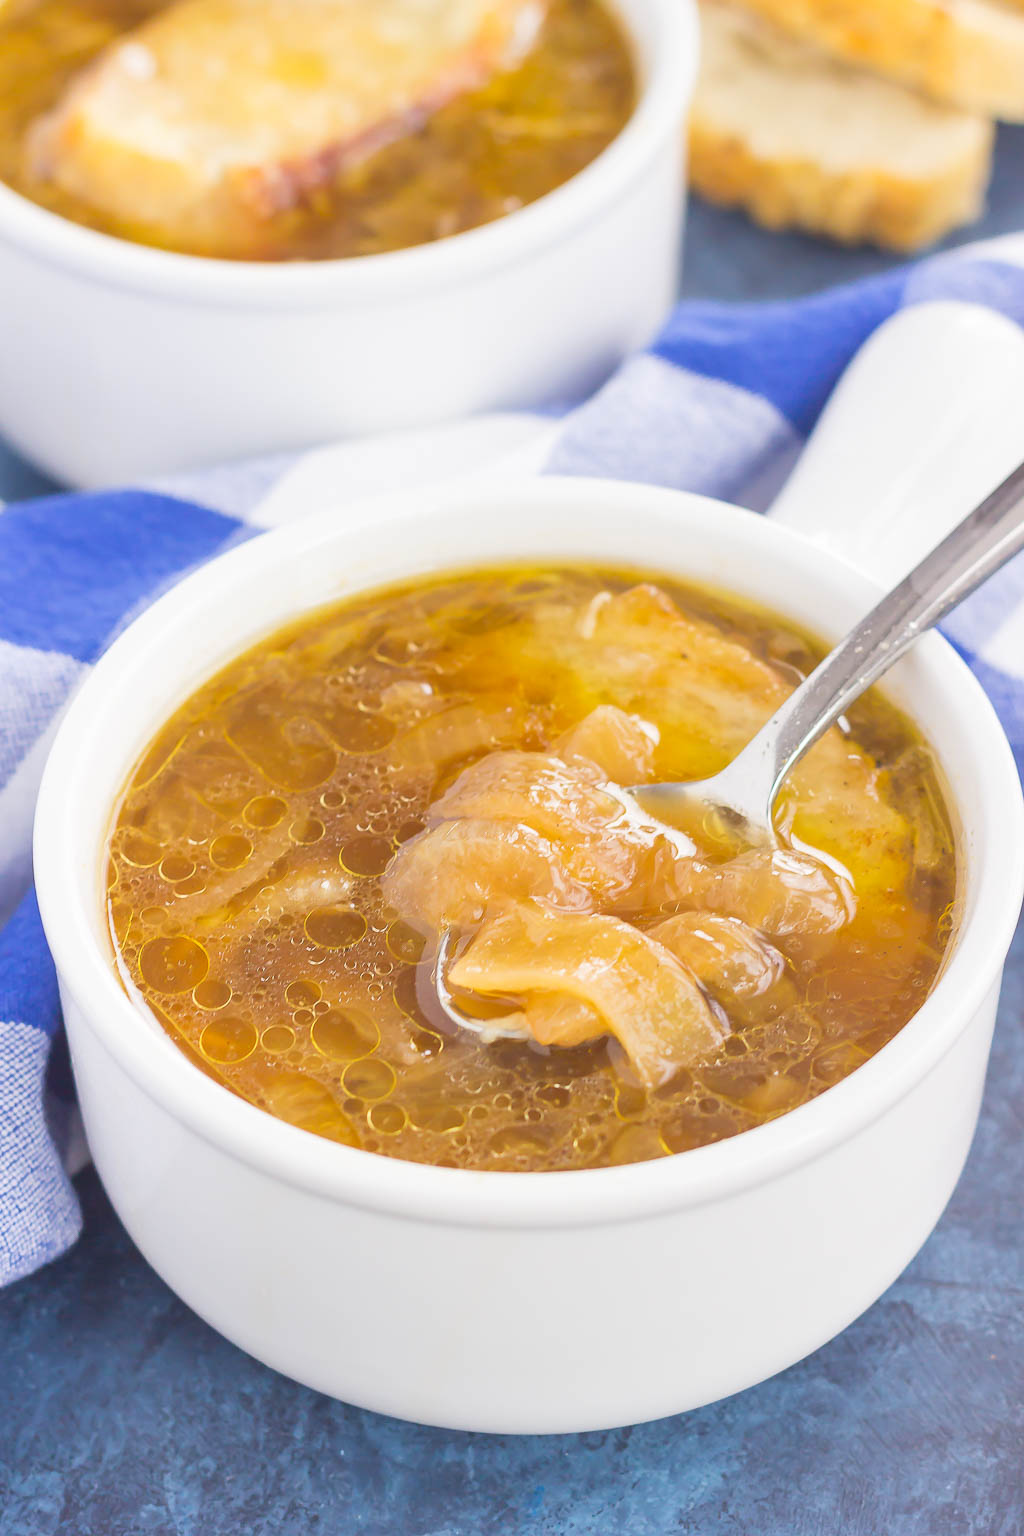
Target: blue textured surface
{"type": "Point", "coordinates": [121, 1414]}
{"type": "Point", "coordinates": [75, 614]}
{"type": "Point", "coordinates": [27, 991]}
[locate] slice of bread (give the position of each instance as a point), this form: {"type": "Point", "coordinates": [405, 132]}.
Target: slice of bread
{"type": "Point", "coordinates": [216, 114]}
{"type": "Point", "coordinates": [969, 53]}
{"type": "Point", "coordinates": [802, 141]}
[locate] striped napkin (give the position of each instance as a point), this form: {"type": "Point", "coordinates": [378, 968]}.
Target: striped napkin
{"type": "Point", "coordinates": [726, 394]}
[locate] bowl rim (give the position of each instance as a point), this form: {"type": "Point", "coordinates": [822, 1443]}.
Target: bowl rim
{"type": "Point", "coordinates": [666, 86]}
{"type": "Point", "coordinates": [485, 1198]}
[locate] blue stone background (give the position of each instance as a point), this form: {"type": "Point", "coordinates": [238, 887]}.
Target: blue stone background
{"type": "Point", "coordinates": [122, 1414]}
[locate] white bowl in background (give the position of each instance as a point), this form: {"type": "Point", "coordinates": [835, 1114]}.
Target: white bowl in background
{"type": "Point", "coordinates": [120, 361]}
{"type": "Point", "coordinates": [498, 1301]}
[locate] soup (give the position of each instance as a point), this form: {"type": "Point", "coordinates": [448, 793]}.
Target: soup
{"type": "Point", "coordinates": [447, 757]}
{"type": "Point", "coordinates": [416, 175]}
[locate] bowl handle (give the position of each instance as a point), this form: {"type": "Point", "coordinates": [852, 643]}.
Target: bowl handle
{"type": "Point", "coordinates": [925, 421]}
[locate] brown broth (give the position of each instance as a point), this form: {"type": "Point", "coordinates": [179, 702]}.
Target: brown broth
{"type": "Point", "coordinates": [246, 853]}
{"type": "Point", "coordinates": [481, 157]}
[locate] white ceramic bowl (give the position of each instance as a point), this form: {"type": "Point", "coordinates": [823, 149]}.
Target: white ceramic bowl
{"type": "Point", "coordinates": [520, 1302]}
{"type": "Point", "coordinates": [120, 361]}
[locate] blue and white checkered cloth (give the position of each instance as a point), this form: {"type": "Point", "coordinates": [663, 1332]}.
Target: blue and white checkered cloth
{"type": "Point", "coordinates": [725, 392]}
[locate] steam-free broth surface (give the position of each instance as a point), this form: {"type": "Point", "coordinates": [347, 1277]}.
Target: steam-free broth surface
{"type": "Point", "coordinates": [263, 855]}
{"type": "Point", "coordinates": [476, 158]}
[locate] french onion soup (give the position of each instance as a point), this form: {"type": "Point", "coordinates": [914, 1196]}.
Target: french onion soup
{"type": "Point", "coordinates": [453, 756]}
{"type": "Point", "coordinates": [303, 129]}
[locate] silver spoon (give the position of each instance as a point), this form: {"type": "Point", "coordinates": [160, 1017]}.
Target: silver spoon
{"type": "Point", "coordinates": [741, 798]}
{"type": "Point", "coordinates": [487, 1029]}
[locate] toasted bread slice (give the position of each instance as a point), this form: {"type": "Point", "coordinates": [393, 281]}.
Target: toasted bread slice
{"type": "Point", "coordinates": [800, 140]}
{"type": "Point", "coordinates": [217, 114]}
{"type": "Point", "coordinates": [969, 53]}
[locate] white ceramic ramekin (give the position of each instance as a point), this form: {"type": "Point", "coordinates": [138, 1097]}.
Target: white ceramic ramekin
{"type": "Point", "coordinates": [520, 1302]}
{"type": "Point", "coordinates": [119, 361]}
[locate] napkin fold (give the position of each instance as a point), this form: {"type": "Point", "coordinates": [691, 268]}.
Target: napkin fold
{"type": "Point", "coordinates": [723, 398]}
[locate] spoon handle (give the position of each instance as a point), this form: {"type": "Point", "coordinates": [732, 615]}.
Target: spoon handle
{"type": "Point", "coordinates": [975, 549]}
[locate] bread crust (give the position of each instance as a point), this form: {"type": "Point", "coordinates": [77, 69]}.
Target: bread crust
{"type": "Point", "coordinates": [802, 140]}
{"type": "Point", "coordinates": [969, 53]}
{"type": "Point", "coordinates": [869, 205]}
